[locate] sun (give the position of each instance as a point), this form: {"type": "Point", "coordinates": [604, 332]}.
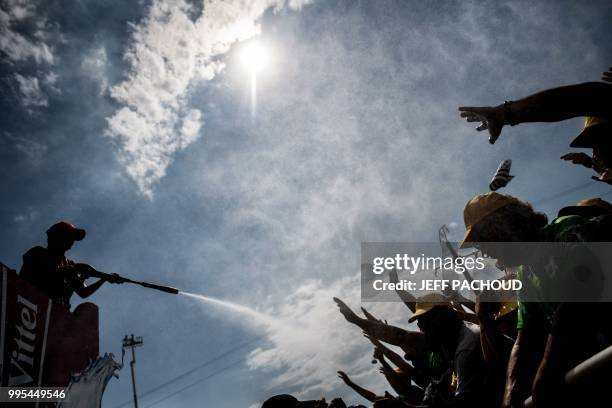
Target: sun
{"type": "Point", "coordinates": [254, 57]}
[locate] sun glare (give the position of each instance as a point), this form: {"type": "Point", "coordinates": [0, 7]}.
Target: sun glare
{"type": "Point", "coordinates": [254, 57]}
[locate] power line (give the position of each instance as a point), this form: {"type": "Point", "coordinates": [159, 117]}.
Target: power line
{"type": "Point", "coordinates": [562, 193]}
{"type": "Point", "coordinates": [201, 380]}
{"type": "Point", "coordinates": [192, 370]}
{"type": "Point", "coordinates": [605, 194]}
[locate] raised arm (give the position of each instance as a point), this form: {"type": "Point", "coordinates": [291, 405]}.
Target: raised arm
{"type": "Point", "coordinates": [394, 379]}
{"type": "Point", "coordinates": [371, 317]}
{"type": "Point", "coordinates": [408, 299]}
{"type": "Point", "coordinates": [367, 394]}
{"type": "Point", "coordinates": [411, 342]}
{"type": "Point", "coordinates": [552, 105]}
{"type": "Point", "coordinates": [395, 358]}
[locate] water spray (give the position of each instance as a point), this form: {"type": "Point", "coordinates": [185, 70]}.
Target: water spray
{"type": "Point", "coordinates": [234, 307]}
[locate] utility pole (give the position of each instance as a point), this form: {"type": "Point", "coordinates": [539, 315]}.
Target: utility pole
{"type": "Point", "coordinates": [132, 342]}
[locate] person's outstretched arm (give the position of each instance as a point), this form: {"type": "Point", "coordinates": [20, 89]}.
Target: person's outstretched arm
{"type": "Point", "coordinates": [413, 343]}
{"type": "Point", "coordinates": [84, 290]}
{"type": "Point", "coordinates": [371, 317]}
{"type": "Point", "coordinates": [395, 380]}
{"type": "Point", "coordinates": [367, 394]}
{"type": "Point", "coordinates": [408, 299]}
{"type": "Point", "coordinates": [395, 358]}
{"type": "Point", "coordinates": [552, 105]}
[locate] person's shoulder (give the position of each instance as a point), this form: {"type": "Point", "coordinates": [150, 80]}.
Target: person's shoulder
{"type": "Point", "coordinates": [35, 253]}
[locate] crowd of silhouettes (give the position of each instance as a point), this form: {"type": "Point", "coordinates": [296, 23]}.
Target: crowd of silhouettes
{"type": "Point", "coordinates": [492, 352]}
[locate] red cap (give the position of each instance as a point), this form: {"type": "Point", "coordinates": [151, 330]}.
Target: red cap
{"type": "Point", "coordinates": [65, 229]}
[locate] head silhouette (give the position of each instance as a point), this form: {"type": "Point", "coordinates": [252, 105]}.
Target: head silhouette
{"type": "Point", "coordinates": [61, 236]}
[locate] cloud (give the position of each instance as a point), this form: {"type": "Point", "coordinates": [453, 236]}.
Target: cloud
{"type": "Point", "coordinates": [16, 46]}
{"type": "Point", "coordinates": [32, 149]}
{"type": "Point", "coordinates": [24, 39]}
{"type": "Point", "coordinates": [313, 341]}
{"type": "Point", "coordinates": [168, 53]}
{"type": "Point", "coordinates": [28, 216]}
{"type": "Point", "coordinates": [94, 65]}
{"type": "Point", "coordinates": [30, 93]}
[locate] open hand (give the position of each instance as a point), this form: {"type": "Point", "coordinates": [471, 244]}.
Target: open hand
{"type": "Point", "coordinates": [491, 118]}
{"type": "Point", "coordinates": [346, 311]}
{"type": "Point", "coordinates": [344, 377]}
{"type": "Point", "coordinates": [371, 317]}
{"type": "Point", "coordinates": [579, 158]}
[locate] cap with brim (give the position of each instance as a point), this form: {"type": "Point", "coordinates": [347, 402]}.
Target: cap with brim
{"type": "Point", "coordinates": [478, 208]}
{"type": "Point", "coordinates": [427, 303]}
{"type": "Point", "coordinates": [594, 128]}
{"type": "Point", "coordinates": [66, 230]}
{"type": "Point", "coordinates": [589, 208]}
{"type": "Point", "coordinates": [467, 238]}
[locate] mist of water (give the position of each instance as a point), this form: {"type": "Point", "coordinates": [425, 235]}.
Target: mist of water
{"type": "Point", "coordinates": [244, 311]}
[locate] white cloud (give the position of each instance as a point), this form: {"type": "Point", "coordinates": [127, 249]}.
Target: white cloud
{"type": "Point", "coordinates": [94, 65]}
{"type": "Point", "coordinates": [29, 216]}
{"type": "Point", "coordinates": [30, 93]}
{"type": "Point", "coordinates": [169, 51]}
{"type": "Point", "coordinates": [17, 47]}
{"type": "Point", "coordinates": [313, 341]}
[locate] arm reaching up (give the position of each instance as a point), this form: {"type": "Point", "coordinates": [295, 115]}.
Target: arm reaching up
{"type": "Point", "coordinates": [399, 382]}
{"type": "Point", "coordinates": [371, 317]}
{"type": "Point", "coordinates": [408, 299]}
{"type": "Point", "coordinates": [552, 105]}
{"type": "Point", "coordinates": [413, 343]}
{"type": "Point", "coordinates": [395, 358]}
{"type": "Point", "coordinates": [367, 394]}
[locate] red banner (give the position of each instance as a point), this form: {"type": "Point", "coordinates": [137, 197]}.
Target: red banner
{"type": "Point", "coordinates": [42, 344]}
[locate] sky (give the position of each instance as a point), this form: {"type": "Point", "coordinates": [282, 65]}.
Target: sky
{"type": "Point", "coordinates": [134, 121]}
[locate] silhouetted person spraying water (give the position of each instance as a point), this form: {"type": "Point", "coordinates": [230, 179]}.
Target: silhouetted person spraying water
{"type": "Point", "coordinates": [58, 277]}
